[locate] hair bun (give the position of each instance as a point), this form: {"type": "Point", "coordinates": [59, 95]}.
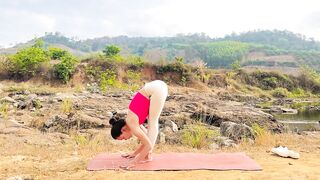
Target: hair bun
{"type": "Point", "coordinates": [112, 121]}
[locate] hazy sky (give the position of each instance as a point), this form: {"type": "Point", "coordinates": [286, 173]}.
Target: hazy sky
{"type": "Point", "coordinates": [22, 20]}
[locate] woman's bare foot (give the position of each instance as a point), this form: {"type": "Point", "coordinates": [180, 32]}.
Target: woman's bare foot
{"type": "Point", "coordinates": [148, 158]}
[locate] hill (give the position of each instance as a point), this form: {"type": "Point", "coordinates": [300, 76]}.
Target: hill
{"type": "Point", "coordinates": [277, 49]}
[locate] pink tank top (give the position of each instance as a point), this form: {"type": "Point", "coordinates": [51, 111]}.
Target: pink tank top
{"type": "Point", "coordinates": [140, 106]}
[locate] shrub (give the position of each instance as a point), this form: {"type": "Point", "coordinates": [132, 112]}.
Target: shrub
{"type": "Point", "coordinates": [280, 93]}
{"type": "Point", "coordinates": [236, 65]}
{"type": "Point", "coordinates": [177, 67]}
{"type": "Point", "coordinates": [4, 66]}
{"type": "Point", "coordinates": [4, 109]}
{"type": "Point", "coordinates": [107, 78]}
{"type": "Point", "coordinates": [136, 61]}
{"type": "Point", "coordinates": [111, 51]}
{"type": "Point", "coordinates": [27, 62]}
{"type": "Point", "coordinates": [57, 53]}
{"type": "Point", "coordinates": [258, 131]}
{"type": "Point", "coordinates": [65, 68]}
{"type": "Point", "coordinates": [298, 93]}
{"type": "Point", "coordinates": [198, 136]}
{"type": "Point", "coordinates": [66, 106]}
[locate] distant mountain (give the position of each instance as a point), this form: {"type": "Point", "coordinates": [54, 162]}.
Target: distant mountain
{"type": "Point", "coordinates": [271, 49]}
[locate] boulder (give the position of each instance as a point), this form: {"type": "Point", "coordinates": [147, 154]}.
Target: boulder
{"type": "Point", "coordinates": [173, 126]}
{"type": "Point", "coordinates": [7, 100]}
{"type": "Point", "coordinates": [236, 131]}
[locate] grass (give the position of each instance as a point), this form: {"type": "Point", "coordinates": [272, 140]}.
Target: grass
{"type": "Point", "coordinates": [198, 136]}
{"type": "Point", "coordinates": [66, 106]}
{"type": "Point", "coordinates": [34, 88]}
{"type": "Point", "coordinates": [4, 109]}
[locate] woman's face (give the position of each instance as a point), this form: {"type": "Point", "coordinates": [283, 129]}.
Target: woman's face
{"type": "Point", "coordinates": [126, 133]}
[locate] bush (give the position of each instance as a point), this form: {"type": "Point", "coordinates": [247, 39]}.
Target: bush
{"type": "Point", "coordinates": [27, 62]}
{"type": "Point", "coordinates": [111, 51]}
{"type": "Point", "coordinates": [177, 67]}
{"type": "Point", "coordinates": [57, 53]}
{"type": "Point", "coordinates": [4, 66]}
{"type": "Point", "coordinates": [280, 93]}
{"type": "Point", "coordinates": [198, 136]}
{"type": "Point", "coordinates": [66, 106]}
{"type": "Point", "coordinates": [298, 93]}
{"type": "Point", "coordinates": [65, 68]}
{"type": "Point", "coordinates": [136, 61]}
{"type": "Point", "coordinates": [107, 78]}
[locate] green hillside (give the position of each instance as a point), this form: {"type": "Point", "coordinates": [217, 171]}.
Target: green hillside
{"type": "Point", "coordinates": [275, 46]}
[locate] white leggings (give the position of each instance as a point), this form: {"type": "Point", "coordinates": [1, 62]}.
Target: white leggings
{"type": "Point", "coordinates": [157, 91]}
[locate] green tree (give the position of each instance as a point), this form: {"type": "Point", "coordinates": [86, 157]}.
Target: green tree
{"type": "Point", "coordinates": [236, 65]}
{"type": "Point", "coordinates": [65, 68]}
{"type": "Point", "coordinates": [57, 53]}
{"type": "Point", "coordinates": [111, 50]}
{"type": "Point", "coordinates": [27, 62]}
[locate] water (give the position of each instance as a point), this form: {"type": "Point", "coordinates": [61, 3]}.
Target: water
{"type": "Point", "coordinates": [305, 116]}
{"type": "Point", "coordinates": [303, 121]}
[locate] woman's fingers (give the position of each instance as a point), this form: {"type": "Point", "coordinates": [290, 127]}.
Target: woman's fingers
{"type": "Point", "coordinates": [125, 155]}
{"type": "Point", "coordinates": [128, 156]}
{"type": "Point", "coordinates": [127, 167]}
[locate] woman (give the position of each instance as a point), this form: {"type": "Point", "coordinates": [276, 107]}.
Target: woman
{"type": "Point", "coordinates": [147, 103]}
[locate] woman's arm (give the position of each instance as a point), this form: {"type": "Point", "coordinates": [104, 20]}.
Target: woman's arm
{"type": "Point", "coordinates": [144, 129]}
{"type": "Point", "coordinates": [145, 146]}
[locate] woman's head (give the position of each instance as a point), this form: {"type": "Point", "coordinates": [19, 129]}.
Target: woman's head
{"type": "Point", "coordinates": [119, 129]}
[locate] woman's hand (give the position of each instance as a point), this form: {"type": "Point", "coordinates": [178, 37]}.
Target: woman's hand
{"type": "Point", "coordinates": [128, 165]}
{"type": "Point", "coordinates": [128, 156]}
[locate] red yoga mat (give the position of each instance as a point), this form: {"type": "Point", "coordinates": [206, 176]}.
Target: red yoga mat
{"type": "Point", "coordinates": [179, 161]}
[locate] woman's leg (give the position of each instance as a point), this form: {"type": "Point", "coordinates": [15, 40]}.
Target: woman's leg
{"type": "Point", "coordinates": [158, 92]}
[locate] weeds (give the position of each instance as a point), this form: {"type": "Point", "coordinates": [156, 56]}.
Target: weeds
{"type": "Point", "coordinates": [107, 78]}
{"type": "Point", "coordinates": [4, 109]}
{"type": "Point", "coordinates": [198, 136]}
{"type": "Point", "coordinates": [66, 106]}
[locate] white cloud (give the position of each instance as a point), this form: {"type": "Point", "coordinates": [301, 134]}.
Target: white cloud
{"type": "Point", "coordinates": [22, 20]}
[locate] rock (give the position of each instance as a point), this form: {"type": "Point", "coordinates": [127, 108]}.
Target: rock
{"type": "Point", "coordinates": [279, 109]}
{"type": "Point", "coordinates": [109, 115]}
{"type": "Point", "coordinates": [161, 138]}
{"type": "Point", "coordinates": [236, 131]}
{"type": "Point", "coordinates": [20, 177]}
{"type": "Point", "coordinates": [214, 146]}
{"type": "Point", "coordinates": [22, 105]}
{"type": "Point", "coordinates": [224, 142]}
{"type": "Point", "coordinates": [7, 100]}
{"type": "Point", "coordinates": [59, 123]}
{"type": "Point", "coordinates": [171, 125]}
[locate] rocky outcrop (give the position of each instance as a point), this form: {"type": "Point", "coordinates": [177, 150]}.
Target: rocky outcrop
{"type": "Point", "coordinates": [236, 131]}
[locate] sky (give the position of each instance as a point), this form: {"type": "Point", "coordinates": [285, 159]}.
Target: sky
{"type": "Point", "coordinates": [22, 20]}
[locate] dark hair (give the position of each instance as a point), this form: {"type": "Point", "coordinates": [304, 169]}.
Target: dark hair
{"type": "Point", "coordinates": [117, 125]}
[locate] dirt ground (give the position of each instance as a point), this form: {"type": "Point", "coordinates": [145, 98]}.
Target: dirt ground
{"type": "Point", "coordinates": [29, 153]}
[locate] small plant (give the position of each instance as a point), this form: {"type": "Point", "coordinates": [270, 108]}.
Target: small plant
{"type": "Point", "coordinates": [258, 130]}
{"type": "Point", "coordinates": [57, 53]}
{"type": "Point", "coordinates": [65, 68]}
{"type": "Point", "coordinates": [198, 136]}
{"type": "Point", "coordinates": [298, 93]}
{"type": "Point", "coordinates": [37, 104]}
{"type": "Point", "coordinates": [27, 62]}
{"type": "Point", "coordinates": [263, 136]}
{"type": "Point", "coordinates": [66, 106]}
{"type": "Point", "coordinates": [80, 139]}
{"type": "Point", "coordinates": [4, 109]}
{"type": "Point", "coordinates": [107, 78]}
{"type": "Point", "coordinates": [136, 61]}
{"type": "Point", "coordinates": [280, 93]}
{"type": "Point", "coordinates": [111, 51]}
{"type": "Point", "coordinates": [236, 65]}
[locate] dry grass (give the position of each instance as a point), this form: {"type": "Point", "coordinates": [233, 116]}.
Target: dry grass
{"type": "Point", "coordinates": [32, 87]}
{"type": "Point", "coordinates": [27, 154]}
